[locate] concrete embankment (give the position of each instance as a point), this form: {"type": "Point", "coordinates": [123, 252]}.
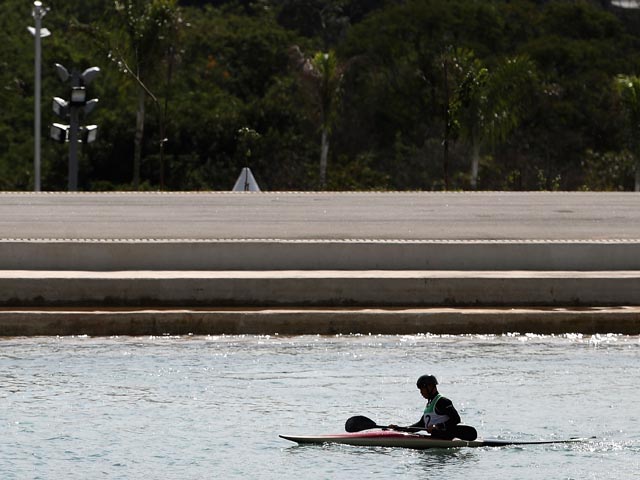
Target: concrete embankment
{"type": "Point", "coordinates": [316, 286]}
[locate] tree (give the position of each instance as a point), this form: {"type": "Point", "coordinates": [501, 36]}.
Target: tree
{"type": "Point", "coordinates": [410, 95]}
{"type": "Point", "coordinates": [16, 98]}
{"type": "Point", "coordinates": [385, 123]}
{"type": "Point", "coordinates": [578, 48]}
{"type": "Point", "coordinates": [235, 73]}
{"type": "Point", "coordinates": [487, 106]}
{"type": "Point", "coordinates": [149, 35]}
{"type": "Point", "coordinates": [628, 88]}
{"type": "Point", "coordinates": [139, 39]}
{"type": "Point", "coordinates": [321, 77]}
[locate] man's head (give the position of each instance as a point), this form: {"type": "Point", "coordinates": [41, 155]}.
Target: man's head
{"type": "Point", "coordinates": [427, 386]}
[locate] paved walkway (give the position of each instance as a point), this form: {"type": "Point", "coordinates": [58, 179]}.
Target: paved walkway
{"type": "Point", "coordinates": [396, 216]}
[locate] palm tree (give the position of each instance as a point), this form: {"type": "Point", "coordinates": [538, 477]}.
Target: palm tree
{"type": "Point", "coordinates": [628, 89]}
{"type": "Point", "coordinates": [321, 77]}
{"type": "Point", "coordinates": [487, 106]}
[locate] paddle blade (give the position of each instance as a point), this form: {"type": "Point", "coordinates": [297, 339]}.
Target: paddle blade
{"type": "Point", "coordinates": [359, 423]}
{"type": "Point", "coordinates": [466, 432]}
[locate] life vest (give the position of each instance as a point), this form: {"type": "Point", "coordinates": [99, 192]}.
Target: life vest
{"type": "Point", "coordinates": [430, 415]}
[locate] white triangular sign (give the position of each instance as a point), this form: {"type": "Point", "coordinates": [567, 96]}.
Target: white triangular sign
{"type": "Point", "coordinates": [246, 182]}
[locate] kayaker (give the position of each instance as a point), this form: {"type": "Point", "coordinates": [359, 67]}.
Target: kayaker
{"type": "Point", "coordinates": [440, 416]}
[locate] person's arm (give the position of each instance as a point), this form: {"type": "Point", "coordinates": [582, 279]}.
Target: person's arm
{"type": "Point", "coordinates": [445, 407]}
{"type": "Point", "coordinates": [419, 423]}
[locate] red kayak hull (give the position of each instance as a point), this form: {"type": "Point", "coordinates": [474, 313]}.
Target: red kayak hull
{"type": "Point", "coordinates": [388, 438]}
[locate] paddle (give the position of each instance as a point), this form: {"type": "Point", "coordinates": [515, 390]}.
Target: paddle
{"type": "Point", "coordinates": [359, 423]}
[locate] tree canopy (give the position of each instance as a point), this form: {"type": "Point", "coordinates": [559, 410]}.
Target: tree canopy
{"type": "Point", "coordinates": [457, 94]}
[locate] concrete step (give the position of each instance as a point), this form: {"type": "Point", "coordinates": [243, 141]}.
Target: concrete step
{"type": "Point", "coordinates": [78, 254]}
{"type": "Point", "coordinates": [325, 288]}
{"type": "Point", "coordinates": [290, 321]}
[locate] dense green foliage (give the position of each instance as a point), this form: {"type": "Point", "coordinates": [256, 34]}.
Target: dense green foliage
{"type": "Point", "coordinates": [412, 94]}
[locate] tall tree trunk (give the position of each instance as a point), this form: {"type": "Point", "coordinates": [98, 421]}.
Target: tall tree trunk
{"type": "Point", "coordinates": [324, 154]}
{"type": "Point", "coordinates": [137, 150]}
{"type": "Point", "coordinates": [447, 127]}
{"type": "Point", "coordinates": [475, 161]}
{"type": "Point", "coordinates": [163, 116]}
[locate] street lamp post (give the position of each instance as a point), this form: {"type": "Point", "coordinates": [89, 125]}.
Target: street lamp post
{"type": "Point", "coordinates": [38, 32]}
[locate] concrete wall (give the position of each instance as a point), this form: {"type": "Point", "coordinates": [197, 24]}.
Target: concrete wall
{"type": "Point", "coordinates": [318, 255]}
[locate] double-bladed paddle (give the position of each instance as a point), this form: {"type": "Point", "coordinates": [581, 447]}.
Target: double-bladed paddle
{"type": "Point", "coordinates": [360, 423]}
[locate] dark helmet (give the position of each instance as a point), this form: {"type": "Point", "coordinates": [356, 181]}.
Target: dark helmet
{"type": "Point", "coordinates": [425, 380]}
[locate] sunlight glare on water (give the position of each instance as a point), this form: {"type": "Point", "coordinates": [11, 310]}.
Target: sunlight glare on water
{"type": "Point", "coordinates": [213, 406]}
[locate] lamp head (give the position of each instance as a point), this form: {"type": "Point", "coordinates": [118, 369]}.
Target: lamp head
{"type": "Point", "coordinates": [59, 132]}
{"type": "Point", "coordinates": [89, 74]}
{"type": "Point", "coordinates": [62, 72]}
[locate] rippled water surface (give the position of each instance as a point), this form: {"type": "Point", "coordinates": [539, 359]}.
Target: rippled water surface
{"type": "Point", "coordinates": [212, 407]}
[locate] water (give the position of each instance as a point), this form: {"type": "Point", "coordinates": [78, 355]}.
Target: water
{"type": "Point", "coordinates": [211, 407]}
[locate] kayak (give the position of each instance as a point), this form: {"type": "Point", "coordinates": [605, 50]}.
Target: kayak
{"type": "Point", "coordinates": [386, 438]}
